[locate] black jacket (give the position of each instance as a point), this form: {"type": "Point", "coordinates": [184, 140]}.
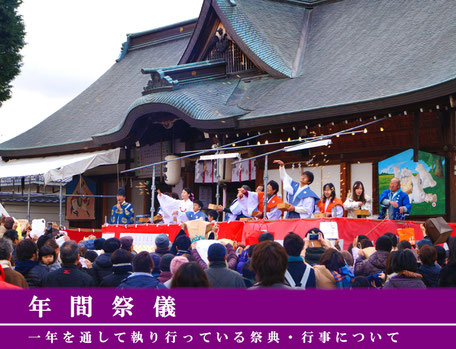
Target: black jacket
{"type": "Point", "coordinates": [119, 273]}
{"type": "Point", "coordinates": [69, 276]}
{"type": "Point", "coordinates": [33, 272]}
{"type": "Point", "coordinates": [102, 267]}
{"type": "Point", "coordinates": [297, 269]}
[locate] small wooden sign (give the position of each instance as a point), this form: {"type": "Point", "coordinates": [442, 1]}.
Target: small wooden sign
{"type": "Point", "coordinates": [283, 206]}
{"type": "Point", "coordinates": [364, 213]}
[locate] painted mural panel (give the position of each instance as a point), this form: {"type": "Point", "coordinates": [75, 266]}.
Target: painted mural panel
{"type": "Point", "coordinates": [77, 207]}
{"type": "Point", "coordinates": [423, 181]}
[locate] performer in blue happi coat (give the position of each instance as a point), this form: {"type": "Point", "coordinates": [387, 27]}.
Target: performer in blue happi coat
{"type": "Point", "coordinates": [122, 212]}
{"type": "Point", "coordinates": [394, 202]}
{"type": "Point", "coordinates": [196, 213]}
{"type": "Point", "coordinates": [301, 198]}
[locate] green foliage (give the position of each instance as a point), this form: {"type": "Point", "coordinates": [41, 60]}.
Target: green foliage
{"type": "Point", "coordinates": [12, 34]}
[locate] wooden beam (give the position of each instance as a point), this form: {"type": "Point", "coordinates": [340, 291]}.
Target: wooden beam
{"type": "Point", "coordinates": [451, 169]}
{"type": "Point", "coordinates": [345, 179]}
{"type": "Point", "coordinates": [375, 194]}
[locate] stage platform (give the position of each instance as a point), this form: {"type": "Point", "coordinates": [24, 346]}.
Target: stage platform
{"type": "Point", "coordinates": [144, 234]}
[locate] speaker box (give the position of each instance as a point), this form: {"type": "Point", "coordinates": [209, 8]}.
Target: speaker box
{"type": "Point", "coordinates": [438, 230]}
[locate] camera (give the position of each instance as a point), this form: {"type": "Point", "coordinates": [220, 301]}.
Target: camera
{"type": "Point", "coordinates": [313, 236]}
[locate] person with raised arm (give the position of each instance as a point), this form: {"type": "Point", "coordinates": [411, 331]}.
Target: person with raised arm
{"type": "Point", "coordinates": [299, 195]}
{"type": "Point", "coordinates": [176, 208]}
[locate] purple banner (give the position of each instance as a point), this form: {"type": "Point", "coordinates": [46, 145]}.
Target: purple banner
{"type": "Point", "coordinates": [193, 318]}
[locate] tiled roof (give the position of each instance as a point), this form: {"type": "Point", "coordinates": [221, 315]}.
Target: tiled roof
{"type": "Point", "coordinates": [342, 56]}
{"type": "Point", "coordinates": [100, 107]}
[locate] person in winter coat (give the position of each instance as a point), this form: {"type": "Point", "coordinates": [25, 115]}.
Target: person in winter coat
{"type": "Point", "coordinates": [219, 275]}
{"type": "Point", "coordinates": [27, 263]}
{"type": "Point", "coordinates": [312, 255]}
{"type": "Point", "coordinates": [190, 275]}
{"type": "Point", "coordinates": [6, 285]}
{"type": "Point", "coordinates": [162, 245]}
{"type": "Point", "coordinates": [405, 265]}
{"type": "Point", "coordinates": [141, 277]}
{"type": "Point", "coordinates": [121, 268]}
{"type": "Point", "coordinates": [11, 276]}
{"type": "Point", "coordinates": [377, 261]}
{"type": "Point", "coordinates": [69, 275]}
{"type": "Point", "coordinates": [102, 266]}
{"type": "Point", "coordinates": [175, 264]}
{"type": "Point", "coordinates": [334, 262]}
{"type": "Point", "coordinates": [165, 271]}
{"type": "Point", "coordinates": [447, 276]}
{"type": "Point", "coordinates": [269, 262]}
{"type": "Point", "coordinates": [429, 269]}
{"type": "Point", "coordinates": [298, 274]}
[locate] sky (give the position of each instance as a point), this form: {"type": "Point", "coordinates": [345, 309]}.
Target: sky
{"type": "Point", "coordinates": [70, 43]}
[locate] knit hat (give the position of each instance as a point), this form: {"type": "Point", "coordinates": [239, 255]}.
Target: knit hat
{"type": "Point", "coordinates": [91, 255]}
{"type": "Point", "coordinates": [183, 242]}
{"type": "Point", "coordinates": [383, 243]}
{"type": "Point", "coordinates": [121, 192]}
{"type": "Point", "coordinates": [176, 263]}
{"type": "Point", "coordinates": [162, 241]}
{"type": "Point", "coordinates": [216, 252]}
{"type": "Point", "coordinates": [98, 243]}
{"type": "Point", "coordinates": [111, 245]}
{"type": "Point", "coordinates": [166, 262]}
{"type": "Point", "coordinates": [126, 242]}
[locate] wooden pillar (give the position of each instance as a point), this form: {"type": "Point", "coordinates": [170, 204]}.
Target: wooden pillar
{"type": "Point", "coordinates": [375, 194]}
{"type": "Point", "coordinates": [345, 180]}
{"type": "Point", "coordinates": [451, 158]}
{"type": "Point", "coordinates": [106, 211]}
{"type": "Point", "coordinates": [451, 192]}
{"type": "Point", "coordinates": [128, 187]}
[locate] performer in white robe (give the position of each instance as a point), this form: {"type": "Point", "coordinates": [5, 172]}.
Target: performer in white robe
{"type": "Point", "coordinates": [301, 198]}
{"type": "Point", "coordinates": [254, 201]}
{"type": "Point", "coordinates": [236, 210]}
{"type": "Point", "coordinates": [176, 208]}
{"type": "Point", "coordinates": [357, 200]}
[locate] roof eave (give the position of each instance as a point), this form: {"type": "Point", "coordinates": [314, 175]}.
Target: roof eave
{"type": "Point", "coordinates": [426, 94]}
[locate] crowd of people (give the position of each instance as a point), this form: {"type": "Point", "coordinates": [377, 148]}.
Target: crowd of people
{"type": "Point", "coordinates": [303, 260]}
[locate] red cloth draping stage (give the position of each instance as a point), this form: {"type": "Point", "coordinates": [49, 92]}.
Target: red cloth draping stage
{"type": "Point", "coordinates": [77, 234]}
{"type": "Point", "coordinates": [241, 231]}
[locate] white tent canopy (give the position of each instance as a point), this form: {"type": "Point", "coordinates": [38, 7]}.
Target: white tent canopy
{"type": "Point", "coordinates": [57, 168]}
